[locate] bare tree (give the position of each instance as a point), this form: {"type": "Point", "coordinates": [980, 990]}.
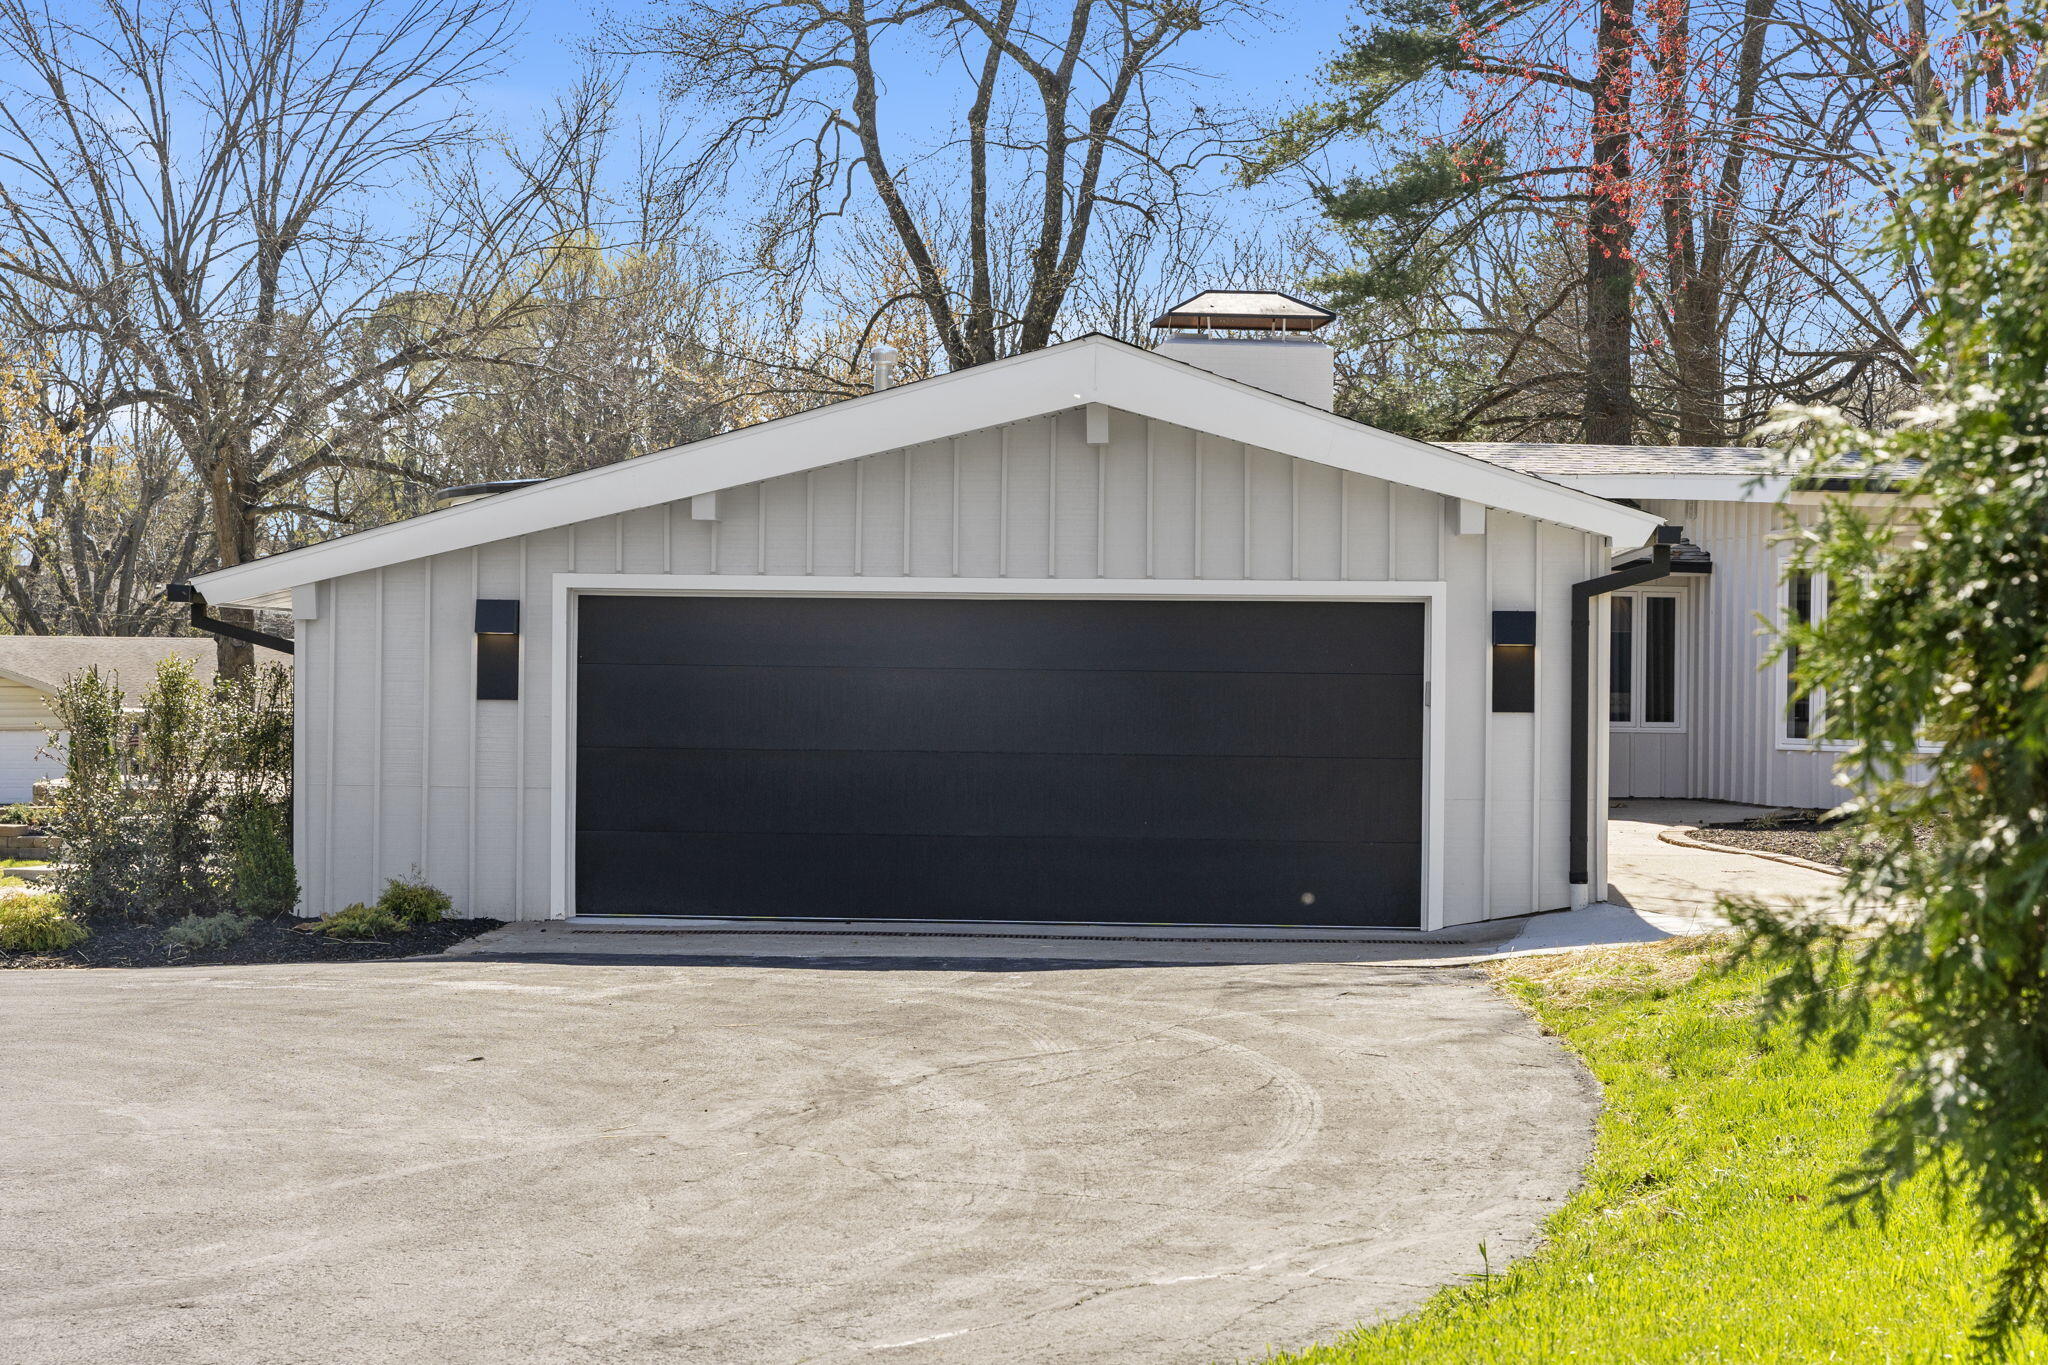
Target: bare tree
{"type": "Point", "coordinates": [206, 201]}
{"type": "Point", "coordinates": [610, 359]}
{"type": "Point", "coordinates": [93, 527]}
{"type": "Point", "coordinates": [1065, 119]}
{"type": "Point", "coordinates": [1719, 162]}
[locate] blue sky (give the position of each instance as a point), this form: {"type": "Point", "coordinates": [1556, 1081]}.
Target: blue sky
{"type": "Point", "coordinates": [1265, 67]}
{"type": "Point", "coordinates": [1269, 65]}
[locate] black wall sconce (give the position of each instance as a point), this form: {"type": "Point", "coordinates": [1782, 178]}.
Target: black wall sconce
{"type": "Point", "coordinates": [1514, 661]}
{"type": "Point", "coordinates": [497, 649]}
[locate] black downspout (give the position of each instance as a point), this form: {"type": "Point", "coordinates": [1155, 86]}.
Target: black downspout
{"type": "Point", "coordinates": [212, 625]}
{"type": "Point", "coordinates": [1582, 688]}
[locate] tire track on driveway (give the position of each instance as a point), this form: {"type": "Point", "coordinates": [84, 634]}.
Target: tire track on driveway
{"type": "Point", "coordinates": [468, 1162]}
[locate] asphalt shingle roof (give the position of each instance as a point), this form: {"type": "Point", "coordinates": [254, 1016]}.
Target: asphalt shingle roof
{"type": "Point", "coordinates": [1543, 457]}
{"type": "Point", "coordinates": [46, 660]}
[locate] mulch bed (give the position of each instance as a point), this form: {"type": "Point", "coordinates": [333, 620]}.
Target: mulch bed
{"type": "Point", "coordinates": [1803, 834]}
{"type": "Point", "coordinates": [117, 943]}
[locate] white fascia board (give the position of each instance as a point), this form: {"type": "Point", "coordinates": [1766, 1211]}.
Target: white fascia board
{"type": "Point", "coordinates": [1091, 370]}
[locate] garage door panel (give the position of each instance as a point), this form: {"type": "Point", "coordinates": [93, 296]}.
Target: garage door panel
{"type": "Point", "coordinates": [1139, 796]}
{"type": "Point", "coordinates": [870, 877]}
{"type": "Point", "coordinates": [1023, 711]}
{"type": "Point", "coordinates": [1316, 637]}
{"type": "Point", "coordinates": [1181, 761]}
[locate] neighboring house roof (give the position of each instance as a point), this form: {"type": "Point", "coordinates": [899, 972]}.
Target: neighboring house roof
{"type": "Point", "coordinates": [1090, 370]}
{"type": "Point", "coordinates": [43, 662]}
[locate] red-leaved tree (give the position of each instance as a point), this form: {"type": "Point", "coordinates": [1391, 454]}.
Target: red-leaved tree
{"type": "Point", "coordinates": [1710, 165]}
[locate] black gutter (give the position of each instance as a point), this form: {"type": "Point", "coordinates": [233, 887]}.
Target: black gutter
{"type": "Point", "coordinates": [1583, 594]}
{"type": "Point", "coordinates": [213, 625]}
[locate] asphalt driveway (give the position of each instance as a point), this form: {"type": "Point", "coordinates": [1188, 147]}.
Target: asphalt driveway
{"type": "Point", "coordinates": [455, 1161]}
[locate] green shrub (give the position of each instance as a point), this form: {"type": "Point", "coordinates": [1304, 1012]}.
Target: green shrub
{"type": "Point", "coordinates": [261, 877]}
{"type": "Point", "coordinates": [38, 923]}
{"type": "Point", "coordinates": [11, 883]}
{"type": "Point", "coordinates": [413, 902]}
{"type": "Point", "coordinates": [184, 810]}
{"type": "Point", "coordinates": [359, 921]}
{"type": "Point", "coordinates": [94, 816]}
{"type": "Point", "coordinates": [208, 933]}
{"type": "Point", "coordinates": [178, 748]}
{"type": "Point", "coordinates": [26, 813]}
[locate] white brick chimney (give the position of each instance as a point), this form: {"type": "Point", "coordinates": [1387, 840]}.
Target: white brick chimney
{"type": "Point", "coordinates": [1293, 367]}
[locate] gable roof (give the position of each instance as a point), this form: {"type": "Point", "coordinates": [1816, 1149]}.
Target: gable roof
{"type": "Point", "coordinates": [1091, 369]}
{"type": "Point", "coordinates": [43, 662]}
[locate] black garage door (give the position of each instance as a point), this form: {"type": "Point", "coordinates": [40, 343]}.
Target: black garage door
{"type": "Point", "coordinates": [1191, 762]}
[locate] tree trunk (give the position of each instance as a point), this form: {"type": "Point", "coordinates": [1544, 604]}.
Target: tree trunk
{"type": "Point", "coordinates": [1610, 236]}
{"type": "Point", "coordinates": [1697, 363]}
{"type": "Point", "coordinates": [1691, 281]}
{"type": "Point", "coordinates": [234, 531]}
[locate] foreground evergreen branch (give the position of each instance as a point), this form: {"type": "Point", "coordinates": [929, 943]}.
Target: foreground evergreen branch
{"type": "Point", "coordinates": [1933, 661]}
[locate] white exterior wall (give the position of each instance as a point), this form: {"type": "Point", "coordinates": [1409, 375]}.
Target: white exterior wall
{"type": "Point", "coordinates": [24, 712]}
{"type": "Point", "coordinates": [401, 768]}
{"type": "Point", "coordinates": [22, 708]}
{"type": "Point", "coordinates": [1732, 745]}
{"type": "Point", "coordinates": [1659, 763]}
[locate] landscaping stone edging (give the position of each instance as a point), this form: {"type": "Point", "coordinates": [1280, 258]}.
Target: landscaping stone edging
{"type": "Point", "coordinates": [1680, 835]}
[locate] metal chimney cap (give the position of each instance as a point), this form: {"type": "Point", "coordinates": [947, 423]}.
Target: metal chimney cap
{"type": "Point", "coordinates": [1245, 310]}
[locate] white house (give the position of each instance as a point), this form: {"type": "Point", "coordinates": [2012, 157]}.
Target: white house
{"type": "Point", "coordinates": [1091, 634]}
{"type": "Point", "coordinates": [34, 667]}
{"type": "Point", "coordinates": [1694, 709]}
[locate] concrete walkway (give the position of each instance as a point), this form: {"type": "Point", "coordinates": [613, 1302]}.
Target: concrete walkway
{"type": "Point", "coordinates": [1677, 888]}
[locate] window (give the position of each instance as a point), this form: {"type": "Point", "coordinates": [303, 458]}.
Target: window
{"type": "Point", "coordinates": [1643, 660]}
{"type": "Point", "coordinates": [1804, 598]}
{"type": "Point", "coordinates": [1805, 603]}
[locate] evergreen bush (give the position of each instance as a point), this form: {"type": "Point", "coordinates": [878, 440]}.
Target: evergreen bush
{"type": "Point", "coordinates": [183, 811]}
{"type": "Point", "coordinates": [1933, 658]}
{"type": "Point", "coordinates": [208, 933]}
{"type": "Point", "coordinates": [412, 902]}
{"type": "Point", "coordinates": [94, 817]}
{"type": "Point", "coordinates": [262, 879]}
{"type": "Point", "coordinates": [359, 921]}
{"type": "Point", "coordinates": [38, 923]}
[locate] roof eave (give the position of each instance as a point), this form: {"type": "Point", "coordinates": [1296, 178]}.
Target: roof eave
{"type": "Point", "coordinates": [1093, 369]}
{"type": "Point", "coordinates": [47, 688]}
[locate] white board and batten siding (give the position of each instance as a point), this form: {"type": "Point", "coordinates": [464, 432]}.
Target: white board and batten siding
{"type": "Point", "coordinates": [402, 769]}
{"type": "Point", "coordinates": [1732, 747]}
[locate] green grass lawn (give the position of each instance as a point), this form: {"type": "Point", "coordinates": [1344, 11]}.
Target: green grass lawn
{"type": "Point", "coordinates": [1704, 1232]}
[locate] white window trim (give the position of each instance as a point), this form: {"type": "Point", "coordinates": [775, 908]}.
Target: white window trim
{"type": "Point", "coordinates": [1681, 661]}
{"type": "Point", "coordinates": [1781, 677]}
{"type": "Point", "coordinates": [1781, 674]}
{"type": "Point", "coordinates": [569, 586]}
